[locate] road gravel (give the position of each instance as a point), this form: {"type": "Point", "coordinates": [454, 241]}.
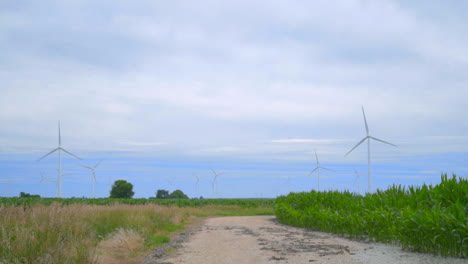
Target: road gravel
{"type": "Point", "coordinates": [262, 240]}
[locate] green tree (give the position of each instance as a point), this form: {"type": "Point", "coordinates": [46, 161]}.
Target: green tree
{"type": "Point", "coordinates": [178, 194]}
{"type": "Point", "coordinates": [27, 195]}
{"type": "Point", "coordinates": [122, 189]}
{"type": "Point", "coordinates": [162, 194]}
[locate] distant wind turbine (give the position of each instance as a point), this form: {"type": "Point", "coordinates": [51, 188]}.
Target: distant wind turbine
{"type": "Point", "coordinates": [93, 178]}
{"type": "Point", "coordinates": [317, 168]}
{"type": "Point", "coordinates": [170, 182]}
{"type": "Point", "coordinates": [8, 183]}
{"type": "Point", "coordinates": [44, 179]}
{"type": "Point", "coordinates": [357, 180]}
{"type": "Point", "coordinates": [215, 182]}
{"type": "Point", "coordinates": [59, 149]}
{"type": "Point", "coordinates": [197, 185]}
{"type": "Point", "coordinates": [368, 137]}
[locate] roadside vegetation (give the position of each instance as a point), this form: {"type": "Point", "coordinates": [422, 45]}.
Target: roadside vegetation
{"type": "Point", "coordinates": [49, 230]}
{"type": "Point", "coordinates": [430, 219]}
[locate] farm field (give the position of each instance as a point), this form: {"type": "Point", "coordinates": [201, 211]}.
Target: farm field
{"type": "Point", "coordinates": [429, 219]}
{"type": "Point", "coordinates": [49, 230]}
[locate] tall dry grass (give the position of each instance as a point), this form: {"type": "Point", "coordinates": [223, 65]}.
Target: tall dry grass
{"type": "Point", "coordinates": [70, 234]}
{"type": "Point", "coordinates": [78, 233]}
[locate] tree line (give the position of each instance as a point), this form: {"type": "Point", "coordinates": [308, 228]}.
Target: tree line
{"type": "Point", "coordinates": [124, 189]}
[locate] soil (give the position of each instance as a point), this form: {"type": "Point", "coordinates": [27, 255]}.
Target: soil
{"type": "Point", "coordinates": [262, 240]}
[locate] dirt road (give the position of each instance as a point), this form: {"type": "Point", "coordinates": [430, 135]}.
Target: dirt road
{"type": "Point", "coordinates": [261, 240]}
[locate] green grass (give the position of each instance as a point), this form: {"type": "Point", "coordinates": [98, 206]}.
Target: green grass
{"type": "Point", "coordinates": [244, 203]}
{"type": "Point", "coordinates": [156, 240]}
{"type": "Point", "coordinates": [425, 219]}
{"type": "Point", "coordinates": [53, 231]}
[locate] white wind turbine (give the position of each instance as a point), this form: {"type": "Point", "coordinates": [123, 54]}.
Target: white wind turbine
{"type": "Point", "coordinates": [215, 181]}
{"type": "Point", "coordinates": [59, 149]}
{"type": "Point", "coordinates": [357, 181]}
{"type": "Point", "coordinates": [317, 168]}
{"type": "Point", "coordinates": [93, 178]}
{"type": "Point", "coordinates": [8, 183]}
{"type": "Point", "coordinates": [197, 185]}
{"type": "Point", "coordinates": [44, 179]}
{"type": "Point", "coordinates": [170, 182]}
{"type": "Point", "coordinates": [368, 137]}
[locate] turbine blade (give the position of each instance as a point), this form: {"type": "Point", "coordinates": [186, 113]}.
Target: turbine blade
{"type": "Point", "coordinates": [310, 173]}
{"type": "Point", "coordinates": [365, 121]}
{"type": "Point", "coordinates": [52, 151]}
{"type": "Point", "coordinates": [383, 141]}
{"type": "Point", "coordinates": [357, 174]}
{"type": "Point", "coordinates": [316, 168]}
{"type": "Point", "coordinates": [84, 166]}
{"type": "Point", "coordinates": [60, 138]}
{"type": "Point", "coordinates": [97, 164]}
{"type": "Point", "coordinates": [316, 157]}
{"type": "Point", "coordinates": [69, 153]}
{"type": "Point", "coordinates": [360, 142]}
{"type": "Point", "coordinates": [326, 168]}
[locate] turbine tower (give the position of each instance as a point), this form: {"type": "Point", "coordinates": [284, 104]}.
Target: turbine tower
{"type": "Point", "coordinates": [368, 137]}
{"type": "Point", "coordinates": [317, 168]}
{"type": "Point", "coordinates": [59, 149]}
{"type": "Point", "coordinates": [215, 181]}
{"type": "Point", "coordinates": [93, 178]}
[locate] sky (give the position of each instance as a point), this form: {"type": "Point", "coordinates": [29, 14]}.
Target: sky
{"type": "Point", "coordinates": [164, 92]}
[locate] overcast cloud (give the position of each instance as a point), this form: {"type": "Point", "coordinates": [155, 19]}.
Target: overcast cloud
{"type": "Point", "coordinates": [259, 81]}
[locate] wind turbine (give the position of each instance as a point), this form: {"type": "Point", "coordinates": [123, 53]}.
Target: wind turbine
{"type": "Point", "coordinates": [44, 179]}
{"type": "Point", "coordinates": [215, 181]}
{"type": "Point", "coordinates": [197, 185]}
{"type": "Point", "coordinates": [59, 149]}
{"type": "Point", "coordinates": [317, 168]}
{"type": "Point", "coordinates": [368, 137]}
{"type": "Point", "coordinates": [7, 183]}
{"type": "Point", "coordinates": [93, 178]}
{"type": "Point", "coordinates": [357, 180]}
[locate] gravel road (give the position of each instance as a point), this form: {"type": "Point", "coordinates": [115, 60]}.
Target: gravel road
{"type": "Point", "coordinates": [262, 240]}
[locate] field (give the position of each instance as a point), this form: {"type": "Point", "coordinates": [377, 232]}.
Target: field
{"type": "Point", "coordinates": [431, 219]}
{"type": "Point", "coordinates": [49, 230]}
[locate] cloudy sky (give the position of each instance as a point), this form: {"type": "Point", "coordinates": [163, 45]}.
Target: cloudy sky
{"type": "Point", "coordinates": [165, 91]}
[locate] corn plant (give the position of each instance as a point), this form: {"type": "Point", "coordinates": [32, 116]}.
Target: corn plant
{"type": "Point", "coordinates": [425, 219]}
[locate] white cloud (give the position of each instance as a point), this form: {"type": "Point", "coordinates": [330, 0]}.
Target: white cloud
{"type": "Point", "coordinates": [180, 72]}
{"type": "Point", "coordinates": [309, 140]}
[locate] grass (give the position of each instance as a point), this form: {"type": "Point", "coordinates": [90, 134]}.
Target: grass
{"type": "Point", "coordinates": [67, 232]}
{"type": "Point", "coordinates": [424, 219]}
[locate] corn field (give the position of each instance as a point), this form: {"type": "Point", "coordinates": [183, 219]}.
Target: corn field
{"type": "Point", "coordinates": [430, 219]}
